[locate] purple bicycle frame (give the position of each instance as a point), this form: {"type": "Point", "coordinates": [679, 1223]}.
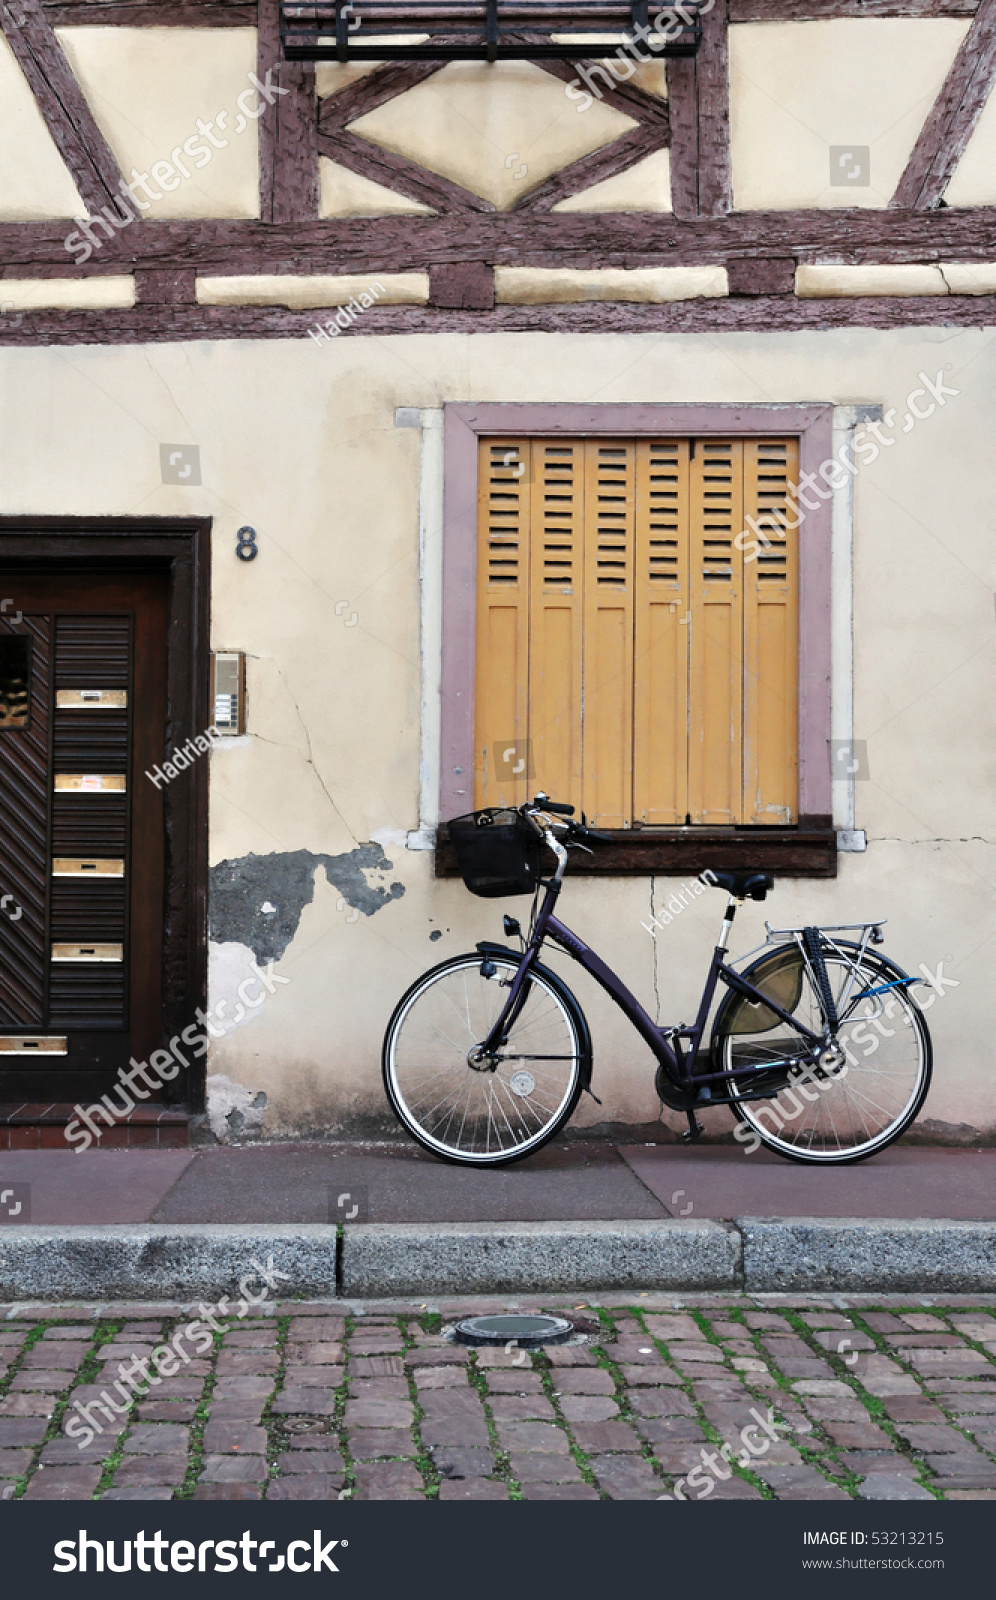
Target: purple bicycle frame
{"type": "Point", "coordinates": [679, 1066]}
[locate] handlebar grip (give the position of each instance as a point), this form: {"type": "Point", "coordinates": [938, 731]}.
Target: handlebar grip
{"type": "Point", "coordinates": [558, 809]}
{"type": "Point", "coordinates": [592, 833]}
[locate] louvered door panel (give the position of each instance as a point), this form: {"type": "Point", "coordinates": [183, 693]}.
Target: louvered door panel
{"type": "Point", "coordinates": [660, 727]}
{"type": "Point", "coordinates": [89, 995]}
{"type": "Point", "coordinates": [502, 675]}
{"type": "Point", "coordinates": [91, 652]}
{"type": "Point", "coordinates": [555, 617]}
{"type": "Point", "coordinates": [771, 639]}
{"type": "Point", "coordinates": [24, 828]}
{"type": "Point", "coordinates": [715, 692]}
{"type": "Point", "coordinates": [609, 533]}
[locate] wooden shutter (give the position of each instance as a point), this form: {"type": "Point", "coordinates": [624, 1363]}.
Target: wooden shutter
{"type": "Point", "coordinates": [609, 524]}
{"type": "Point", "coordinates": [629, 658]}
{"type": "Point", "coordinates": [502, 676]}
{"type": "Point", "coordinates": [716, 650]}
{"type": "Point", "coordinates": [771, 638]}
{"type": "Point", "coordinates": [660, 735]}
{"type": "Point", "coordinates": [555, 616]}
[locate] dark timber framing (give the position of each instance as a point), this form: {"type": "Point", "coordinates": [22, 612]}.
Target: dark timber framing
{"type": "Point", "coordinates": [699, 93]}
{"type": "Point", "coordinates": [182, 548]}
{"type": "Point", "coordinates": [953, 117]}
{"type": "Point", "coordinates": [61, 102]}
{"type": "Point", "coordinates": [287, 131]}
{"type": "Point", "coordinates": [466, 233]}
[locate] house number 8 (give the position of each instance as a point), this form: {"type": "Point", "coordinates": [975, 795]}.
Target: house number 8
{"type": "Point", "coordinates": [245, 546]}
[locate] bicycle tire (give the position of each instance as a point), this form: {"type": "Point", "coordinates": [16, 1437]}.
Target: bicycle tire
{"type": "Point", "coordinates": [576, 1076]}
{"type": "Point", "coordinates": [884, 970]}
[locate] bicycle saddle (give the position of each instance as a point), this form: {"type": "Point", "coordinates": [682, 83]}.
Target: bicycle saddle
{"type": "Point", "coordinates": [745, 885]}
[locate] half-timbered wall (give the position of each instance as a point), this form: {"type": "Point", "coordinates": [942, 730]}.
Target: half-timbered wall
{"type": "Point", "coordinates": [684, 240]}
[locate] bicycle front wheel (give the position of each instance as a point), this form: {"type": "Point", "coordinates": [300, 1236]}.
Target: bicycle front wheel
{"type": "Point", "coordinates": [861, 1098]}
{"type": "Point", "coordinates": [484, 1115]}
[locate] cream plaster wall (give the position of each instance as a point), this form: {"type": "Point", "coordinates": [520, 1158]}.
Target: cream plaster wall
{"type": "Point", "coordinates": [34, 181]}
{"type": "Point", "coordinates": [68, 294]}
{"type": "Point", "coordinates": [643, 187]}
{"type": "Point", "coordinates": [349, 194]}
{"type": "Point", "coordinates": [147, 88]}
{"type": "Point", "coordinates": [551, 285]}
{"type": "Point", "coordinates": [272, 289]}
{"type": "Point", "coordinates": [301, 442]}
{"type": "Point", "coordinates": [797, 88]}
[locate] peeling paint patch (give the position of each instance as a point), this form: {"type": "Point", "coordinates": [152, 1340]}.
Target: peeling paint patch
{"type": "Point", "coordinates": [285, 881]}
{"type": "Point", "coordinates": [233, 1111]}
{"type": "Point", "coordinates": [229, 965]}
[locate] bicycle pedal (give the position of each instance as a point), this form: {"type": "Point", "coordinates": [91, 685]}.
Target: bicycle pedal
{"type": "Point", "coordinates": [693, 1131]}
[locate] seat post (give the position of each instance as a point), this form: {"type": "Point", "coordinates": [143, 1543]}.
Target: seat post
{"type": "Point", "coordinates": [724, 932]}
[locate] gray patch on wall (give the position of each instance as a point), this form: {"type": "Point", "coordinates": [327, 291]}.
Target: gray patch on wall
{"type": "Point", "coordinates": [286, 880]}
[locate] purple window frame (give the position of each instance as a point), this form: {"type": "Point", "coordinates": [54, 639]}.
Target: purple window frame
{"type": "Point", "coordinates": [464, 425]}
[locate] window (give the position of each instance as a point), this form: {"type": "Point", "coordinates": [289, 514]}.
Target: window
{"type": "Point", "coordinates": [633, 654]}
{"type": "Point", "coordinates": [15, 680]}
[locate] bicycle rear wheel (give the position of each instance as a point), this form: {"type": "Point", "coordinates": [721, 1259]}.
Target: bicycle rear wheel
{"type": "Point", "coordinates": [484, 1115]}
{"type": "Point", "coordinates": [856, 1101]}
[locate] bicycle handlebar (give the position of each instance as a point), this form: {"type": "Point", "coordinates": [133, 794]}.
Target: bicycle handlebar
{"type": "Point", "coordinates": [576, 830]}
{"type": "Point", "coordinates": [558, 808]}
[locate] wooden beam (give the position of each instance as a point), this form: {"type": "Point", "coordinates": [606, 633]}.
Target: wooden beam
{"type": "Point", "coordinates": [399, 173]}
{"type": "Point", "coordinates": [820, 10]}
{"type": "Point", "coordinates": [288, 129]}
{"type": "Point", "coordinates": [397, 244]}
{"type": "Point", "coordinates": [953, 116]}
{"type": "Point", "coordinates": [242, 13]}
{"type": "Point", "coordinates": [699, 100]}
{"type": "Point", "coordinates": [169, 323]}
{"type": "Point", "coordinates": [150, 13]}
{"type": "Point", "coordinates": [594, 168]}
{"type": "Point", "coordinates": [61, 102]}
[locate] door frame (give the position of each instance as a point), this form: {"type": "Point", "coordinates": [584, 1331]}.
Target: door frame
{"type": "Point", "coordinates": [180, 547]}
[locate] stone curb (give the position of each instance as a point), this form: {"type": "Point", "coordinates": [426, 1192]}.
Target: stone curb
{"type": "Point", "coordinates": [380, 1258]}
{"type": "Point", "coordinates": [861, 1253]}
{"type": "Point", "coordinates": [167, 1260]}
{"type": "Point", "coordinates": [183, 1261]}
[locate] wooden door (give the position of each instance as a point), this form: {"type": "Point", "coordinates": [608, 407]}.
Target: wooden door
{"type": "Point", "coordinates": [82, 723]}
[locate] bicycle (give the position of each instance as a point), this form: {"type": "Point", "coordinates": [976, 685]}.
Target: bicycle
{"type": "Point", "coordinates": [486, 1056]}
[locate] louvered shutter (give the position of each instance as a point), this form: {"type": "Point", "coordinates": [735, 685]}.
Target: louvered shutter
{"type": "Point", "coordinates": [660, 730]}
{"type": "Point", "coordinates": [771, 638]}
{"type": "Point", "coordinates": [555, 616]}
{"type": "Point", "coordinates": [649, 670]}
{"type": "Point", "coordinates": [502, 676]}
{"type": "Point", "coordinates": [610, 494]}
{"type": "Point", "coordinates": [716, 649]}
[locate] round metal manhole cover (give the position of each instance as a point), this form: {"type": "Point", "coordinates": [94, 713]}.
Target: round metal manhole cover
{"type": "Point", "coordinates": [528, 1332]}
{"type": "Point", "coordinates": [306, 1425]}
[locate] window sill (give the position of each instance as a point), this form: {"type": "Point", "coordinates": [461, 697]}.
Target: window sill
{"type": "Point", "coordinates": [808, 851]}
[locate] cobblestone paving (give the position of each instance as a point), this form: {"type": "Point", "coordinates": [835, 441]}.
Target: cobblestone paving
{"type": "Point", "coordinates": [882, 1399]}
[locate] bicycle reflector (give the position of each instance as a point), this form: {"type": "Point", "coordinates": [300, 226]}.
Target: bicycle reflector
{"type": "Point", "coordinates": [525, 1332]}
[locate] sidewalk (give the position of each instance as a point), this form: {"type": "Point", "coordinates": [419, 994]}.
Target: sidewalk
{"type": "Point", "coordinates": [567, 1182]}
{"type": "Point", "coordinates": [379, 1219]}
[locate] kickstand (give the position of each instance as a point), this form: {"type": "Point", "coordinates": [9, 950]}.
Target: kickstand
{"type": "Point", "coordinates": [694, 1129]}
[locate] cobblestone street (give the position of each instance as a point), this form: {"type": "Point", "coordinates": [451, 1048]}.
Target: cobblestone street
{"type": "Point", "coordinates": [883, 1399]}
